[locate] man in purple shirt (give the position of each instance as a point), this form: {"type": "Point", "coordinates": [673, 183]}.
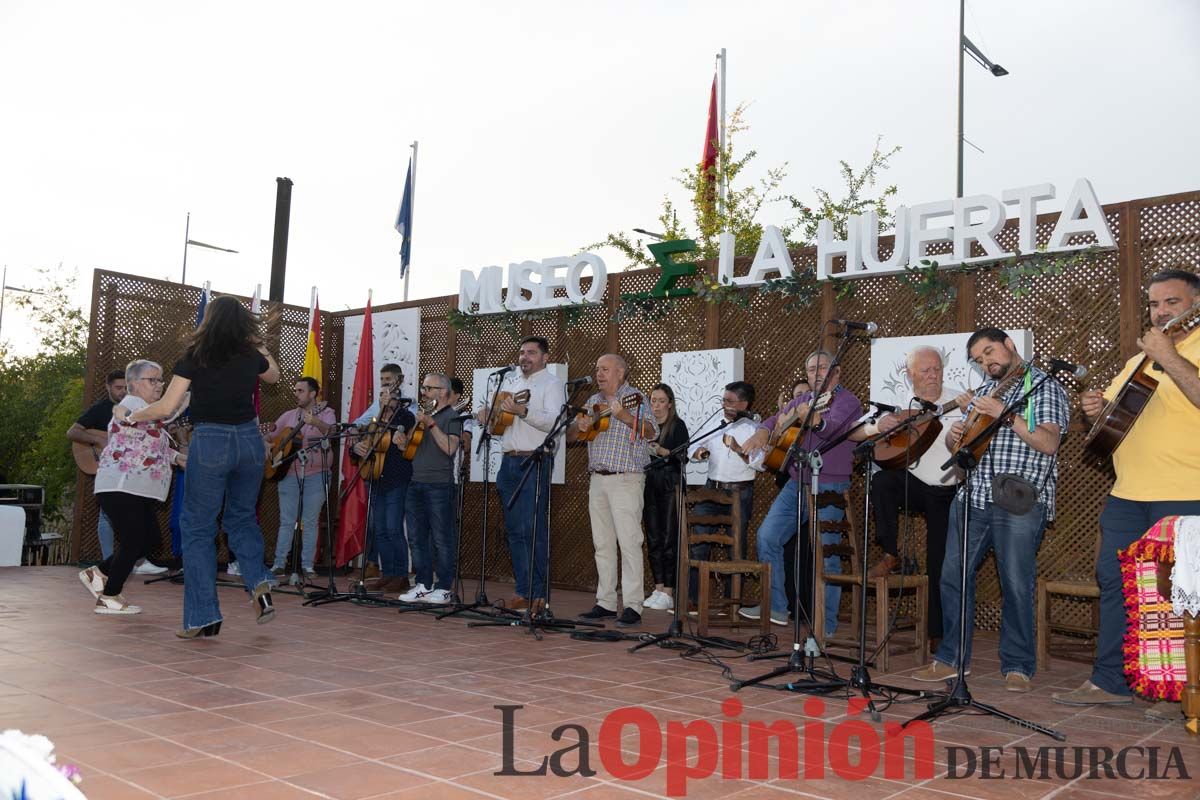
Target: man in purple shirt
{"type": "Point", "coordinates": [836, 415]}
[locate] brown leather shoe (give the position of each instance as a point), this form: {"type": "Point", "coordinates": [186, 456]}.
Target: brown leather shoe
{"type": "Point", "coordinates": [373, 570]}
{"type": "Point", "coordinates": [539, 605]}
{"type": "Point", "coordinates": [398, 586]}
{"type": "Point", "coordinates": [886, 566]}
{"type": "Point", "coordinates": [518, 603]}
{"type": "Point", "coordinates": [379, 584]}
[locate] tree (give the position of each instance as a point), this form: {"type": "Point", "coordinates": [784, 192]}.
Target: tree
{"type": "Point", "coordinates": [42, 394]}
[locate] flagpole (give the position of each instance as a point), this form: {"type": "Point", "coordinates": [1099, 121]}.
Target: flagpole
{"type": "Point", "coordinates": [187, 229]}
{"type": "Point", "coordinates": [312, 304]}
{"type": "Point", "coordinates": [721, 93]}
{"type": "Point", "coordinates": [412, 205]}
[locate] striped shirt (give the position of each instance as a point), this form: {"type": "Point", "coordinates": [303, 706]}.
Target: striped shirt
{"type": "Point", "coordinates": [1009, 454]}
{"type": "Point", "coordinates": [618, 449]}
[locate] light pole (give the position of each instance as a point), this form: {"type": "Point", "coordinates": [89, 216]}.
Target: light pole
{"type": "Point", "coordinates": [966, 46]}
{"type": "Point", "coordinates": [4, 289]}
{"type": "Point", "coordinates": [193, 243]}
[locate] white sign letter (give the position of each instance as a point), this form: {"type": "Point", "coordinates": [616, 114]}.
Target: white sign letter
{"type": "Point", "coordinates": [552, 279]}
{"type": "Point", "coordinates": [829, 248]}
{"type": "Point", "coordinates": [1026, 199]}
{"type": "Point", "coordinates": [518, 283]}
{"type": "Point", "coordinates": [575, 275]}
{"type": "Point", "coordinates": [984, 232]}
{"type": "Point", "coordinates": [726, 244]}
{"type": "Point", "coordinates": [772, 256]}
{"type": "Point", "coordinates": [1081, 199]}
{"type": "Point", "coordinates": [919, 235]}
{"type": "Point", "coordinates": [484, 290]}
{"type": "Point", "coordinates": [869, 231]}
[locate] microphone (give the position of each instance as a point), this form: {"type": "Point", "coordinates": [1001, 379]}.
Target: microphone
{"type": "Point", "coordinates": [581, 382]}
{"type": "Point", "coordinates": [747, 415]}
{"type": "Point", "coordinates": [851, 325]}
{"type": "Point", "coordinates": [928, 406]}
{"type": "Point", "coordinates": [884, 407]}
{"type": "Point", "coordinates": [504, 370]}
{"type": "Point", "coordinates": [1076, 370]}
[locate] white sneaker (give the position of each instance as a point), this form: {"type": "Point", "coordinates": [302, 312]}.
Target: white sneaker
{"type": "Point", "coordinates": [115, 605]}
{"type": "Point", "coordinates": [232, 569]}
{"type": "Point", "coordinates": [659, 601]}
{"type": "Point", "coordinates": [146, 568]}
{"type": "Point", "coordinates": [94, 580]}
{"type": "Point", "coordinates": [439, 597]}
{"type": "Point", "coordinates": [417, 594]}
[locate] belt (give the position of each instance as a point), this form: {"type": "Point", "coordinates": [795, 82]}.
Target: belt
{"type": "Point", "coordinates": [518, 453]}
{"type": "Point", "coordinates": [607, 472]}
{"type": "Point", "coordinates": [728, 484]}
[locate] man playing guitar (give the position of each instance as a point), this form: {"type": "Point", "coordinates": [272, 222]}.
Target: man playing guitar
{"type": "Point", "coordinates": [1158, 474]}
{"type": "Point", "coordinates": [534, 419]}
{"type": "Point", "coordinates": [925, 486]}
{"type": "Point", "coordinates": [841, 410]}
{"type": "Point", "coordinates": [1025, 448]}
{"type": "Point", "coordinates": [91, 430]}
{"type": "Point", "coordinates": [307, 475]}
{"type": "Point", "coordinates": [617, 459]}
{"type": "Point", "coordinates": [390, 490]}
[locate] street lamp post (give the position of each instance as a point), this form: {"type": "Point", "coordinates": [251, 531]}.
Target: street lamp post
{"type": "Point", "coordinates": [965, 47]}
{"type": "Point", "coordinates": [188, 242]}
{"type": "Point", "coordinates": [4, 289]}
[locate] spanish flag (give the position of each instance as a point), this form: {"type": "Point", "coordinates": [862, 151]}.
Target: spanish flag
{"type": "Point", "coordinates": [312, 352]}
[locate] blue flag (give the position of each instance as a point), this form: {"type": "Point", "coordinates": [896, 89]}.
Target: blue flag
{"type": "Point", "coordinates": [404, 221]}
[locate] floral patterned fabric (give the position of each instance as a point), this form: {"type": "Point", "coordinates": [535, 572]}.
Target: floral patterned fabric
{"type": "Point", "coordinates": [137, 459]}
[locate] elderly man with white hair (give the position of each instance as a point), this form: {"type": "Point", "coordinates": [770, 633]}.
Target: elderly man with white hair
{"type": "Point", "coordinates": [923, 487]}
{"type": "Point", "coordinates": [617, 458]}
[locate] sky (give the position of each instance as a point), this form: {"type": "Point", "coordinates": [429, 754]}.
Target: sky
{"type": "Point", "coordinates": [543, 126]}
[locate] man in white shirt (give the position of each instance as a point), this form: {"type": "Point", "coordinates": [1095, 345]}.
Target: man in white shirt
{"type": "Point", "coordinates": [925, 486]}
{"type": "Point", "coordinates": [534, 419]}
{"type": "Point", "coordinates": [728, 469]}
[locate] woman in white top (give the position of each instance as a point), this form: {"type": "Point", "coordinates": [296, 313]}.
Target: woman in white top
{"type": "Point", "coordinates": [132, 479]}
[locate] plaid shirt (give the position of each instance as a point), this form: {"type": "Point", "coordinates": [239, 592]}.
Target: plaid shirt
{"type": "Point", "coordinates": [1009, 454]}
{"type": "Point", "coordinates": [616, 449]}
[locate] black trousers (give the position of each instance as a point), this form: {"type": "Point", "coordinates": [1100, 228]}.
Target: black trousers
{"type": "Point", "coordinates": [661, 519]}
{"type": "Point", "coordinates": [135, 523]}
{"type": "Point", "coordinates": [887, 500]}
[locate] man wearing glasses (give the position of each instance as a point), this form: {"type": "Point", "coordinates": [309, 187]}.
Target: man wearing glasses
{"type": "Point", "coordinates": [429, 509]}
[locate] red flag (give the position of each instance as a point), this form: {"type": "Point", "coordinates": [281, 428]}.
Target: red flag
{"type": "Point", "coordinates": [353, 517]}
{"type": "Point", "coordinates": [708, 158]}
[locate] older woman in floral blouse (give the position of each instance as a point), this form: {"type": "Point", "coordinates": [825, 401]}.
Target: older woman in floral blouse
{"type": "Point", "coordinates": [132, 479]}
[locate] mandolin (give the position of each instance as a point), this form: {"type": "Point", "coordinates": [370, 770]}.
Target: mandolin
{"type": "Point", "coordinates": [418, 433]}
{"type": "Point", "coordinates": [498, 420]}
{"type": "Point", "coordinates": [601, 416]}
{"type": "Point", "coordinates": [1122, 411]}
{"type": "Point", "coordinates": [904, 445]}
{"type": "Point", "coordinates": [787, 428]}
{"type": "Point", "coordinates": [284, 447]}
{"type": "Point", "coordinates": [976, 422]}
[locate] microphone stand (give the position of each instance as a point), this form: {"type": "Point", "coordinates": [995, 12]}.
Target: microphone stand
{"type": "Point", "coordinates": [535, 621]}
{"type": "Point", "coordinates": [959, 698]}
{"type": "Point", "coordinates": [331, 589]}
{"type": "Point", "coordinates": [297, 576]}
{"type": "Point", "coordinates": [801, 659]}
{"type": "Point", "coordinates": [481, 604]}
{"type": "Point", "coordinates": [674, 632]}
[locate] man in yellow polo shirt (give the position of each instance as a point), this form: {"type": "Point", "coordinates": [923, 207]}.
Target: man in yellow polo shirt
{"type": "Point", "coordinates": [1158, 474]}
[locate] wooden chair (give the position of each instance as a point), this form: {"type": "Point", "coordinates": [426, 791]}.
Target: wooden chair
{"type": "Point", "coordinates": [726, 525]}
{"type": "Point", "coordinates": [883, 589]}
{"type": "Point", "coordinates": [1075, 650]}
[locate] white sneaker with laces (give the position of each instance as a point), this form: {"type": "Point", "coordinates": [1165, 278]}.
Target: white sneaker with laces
{"type": "Point", "coordinates": [439, 597]}
{"type": "Point", "coordinates": [146, 568]}
{"type": "Point", "coordinates": [232, 569]}
{"type": "Point", "coordinates": [659, 601]}
{"type": "Point", "coordinates": [417, 594]}
{"type": "Point", "coordinates": [117, 604]}
{"type": "Point", "coordinates": [652, 600]}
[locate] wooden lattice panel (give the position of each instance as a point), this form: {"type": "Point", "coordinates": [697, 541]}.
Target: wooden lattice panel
{"type": "Point", "coordinates": [1169, 235]}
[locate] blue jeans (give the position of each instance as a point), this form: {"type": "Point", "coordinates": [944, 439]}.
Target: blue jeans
{"type": "Point", "coordinates": [1016, 539]}
{"type": "Point", "coordinates": [104, 530]}
{"type": "Point", "coordinates": [517, 520]}
{"type": "Point", "coordinates": [431, 533]}
{"type": "Point", "coordinates": [225, 462]}
{"type": "Point", "coordinates": [387, 530]}
{"type": "Point", "coordinates": [1122, 523]}
{"type": "Point", "coordinates": [778, 528]}
{"type": "Point", "coordinates": [289, 507]}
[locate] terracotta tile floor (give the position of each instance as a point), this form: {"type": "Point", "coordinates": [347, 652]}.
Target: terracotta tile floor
{"type": "Point", "coordinates": [347, 701]}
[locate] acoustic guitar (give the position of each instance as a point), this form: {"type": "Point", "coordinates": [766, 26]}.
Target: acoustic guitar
{"type": "Point", "coordinates": [1122, 412]}
{"type": "Point", "coordinates": [601, 416]}
{"type": "Point", "coordinates": [284, 447]}
{"type": "Point", "coordinates": [904, 445]}
{"type": "Point", "coordinates": [787, 428]}
{"type": "Point", "coordinates": [418, 433]}
{"type": "Point", "coordinates": [976, 421]}
{"type": "Point", "coordinates": [498, 420]}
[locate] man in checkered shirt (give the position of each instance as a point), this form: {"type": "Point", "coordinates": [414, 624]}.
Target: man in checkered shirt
{"type": "Point", "coordinates": [616, 460]}
{"type": "Point", "coordinates": [1026, 447]}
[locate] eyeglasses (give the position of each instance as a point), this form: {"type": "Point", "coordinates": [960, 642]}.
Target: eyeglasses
{"type": "Point", "coordinates": [153, 380]}
{"type": "Point", "coordinates": [431, 388]}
